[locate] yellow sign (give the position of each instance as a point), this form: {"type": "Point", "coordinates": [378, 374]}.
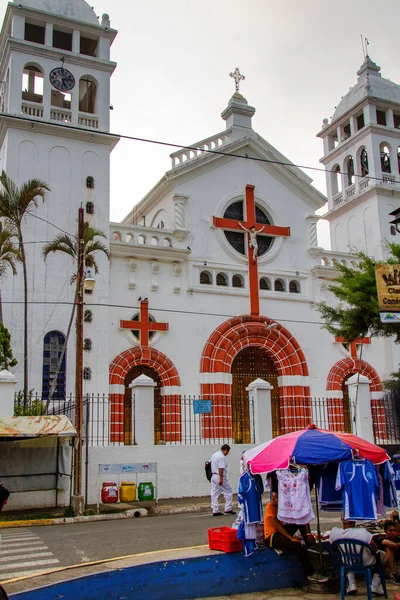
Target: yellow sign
{"type": "Point", "coordinates": [388, 287]}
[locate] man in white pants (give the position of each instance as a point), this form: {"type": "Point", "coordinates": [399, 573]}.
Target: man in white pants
{"type": "Point", "coordinates": [220, 483]}
{"type": "Point", "coordinates": [349, 531]}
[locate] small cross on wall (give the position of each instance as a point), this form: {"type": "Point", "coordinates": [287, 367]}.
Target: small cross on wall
{"type": "Point", "coordinates": [237, 76]}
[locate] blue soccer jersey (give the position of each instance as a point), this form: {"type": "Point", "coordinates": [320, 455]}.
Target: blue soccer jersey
{"type": "Point", "coordinates": [249, 497]}
{"type": "Point", "coordinates": [360, 486]}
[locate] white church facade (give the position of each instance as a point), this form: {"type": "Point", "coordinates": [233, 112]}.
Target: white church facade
{"type": "Point", "coordinates": [213, 276]}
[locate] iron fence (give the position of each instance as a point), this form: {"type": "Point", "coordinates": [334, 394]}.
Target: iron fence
{"type": "Point", "coordinates": [185, 420]}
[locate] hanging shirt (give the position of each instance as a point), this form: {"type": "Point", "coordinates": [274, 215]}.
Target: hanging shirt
{"type": "Point", "coordinates": [294, 501]}
{"type": "Point", "coordinates": [329, 498]}
{"type": "Point", "coordinates": [250, 490]}
{"type": "Point", "coordinates": [359, 484]}
{"type": "Point", "coordinates": [387, 499]}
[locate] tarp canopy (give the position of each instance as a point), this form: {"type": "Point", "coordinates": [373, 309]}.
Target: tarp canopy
{"type": "Point", "coordinates": [31, 427]}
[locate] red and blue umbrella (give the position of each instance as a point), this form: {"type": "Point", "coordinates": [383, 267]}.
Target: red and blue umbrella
{"type": "Point", "coordinates": [310, 446]}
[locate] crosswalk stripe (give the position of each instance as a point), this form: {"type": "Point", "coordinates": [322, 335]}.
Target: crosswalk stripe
{"type": "Point", "coordinates": [32, 563]}
{"type": "Point", "coordinates": [24, 554]}
{"type": "Point", "coordinates": [21, 556]}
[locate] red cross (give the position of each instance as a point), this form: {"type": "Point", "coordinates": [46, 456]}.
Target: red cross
{"type": "Point", "coordinates": [353, 344]}
{"type": "Point", "coordinates": [143, 325]}
{"type": "Point", "coordinates": [269, 230]}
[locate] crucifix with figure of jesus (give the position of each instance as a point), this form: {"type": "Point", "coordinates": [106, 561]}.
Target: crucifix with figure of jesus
{"type": "Point", "coordinates": [252, 229]}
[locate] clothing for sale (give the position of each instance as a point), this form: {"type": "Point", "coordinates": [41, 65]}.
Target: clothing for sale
{"type": "Point", "coordinates": [294, 501]}
{"type": "Point", "coordinates": [250, 490]}
{"type": "Point", "coordinates": [396, 472]}
{"type": "Point", "coordinates": [360, 485]}
{"type": "Point", "coordinates": [247, 534]}
{"type": "Point", "coordinates": [329, 498]}
{"type": "Point", "coordinates": [387, 498]}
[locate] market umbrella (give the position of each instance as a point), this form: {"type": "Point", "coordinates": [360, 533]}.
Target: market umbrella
{"type": "Point", "coordinates": [310, 446]}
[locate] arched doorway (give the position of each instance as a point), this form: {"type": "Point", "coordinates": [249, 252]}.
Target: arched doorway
{"type": "Point", "coordinates": [249, 364]}
{"type": "Point", "coordinates": [128, 404]}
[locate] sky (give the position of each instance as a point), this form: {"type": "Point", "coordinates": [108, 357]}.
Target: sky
{"type": "Point", "coordinates": [172, 78]}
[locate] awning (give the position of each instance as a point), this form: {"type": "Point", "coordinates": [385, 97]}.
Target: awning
{"type": "Point", "coordinates": [29, 427]}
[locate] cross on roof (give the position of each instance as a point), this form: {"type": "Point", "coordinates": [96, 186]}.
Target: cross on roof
{"type": "Point", "coordinates": [353, 345]}
{"type": "Point", "coordinates": [249, 223]}
{"type": "Point", "coordinates": [143, 325]}
{"type": "Point", "coordinates": [237, 76]}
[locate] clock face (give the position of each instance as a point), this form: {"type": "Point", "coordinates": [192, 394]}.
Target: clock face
{"type": "Point", "coordinates": [62, 79]}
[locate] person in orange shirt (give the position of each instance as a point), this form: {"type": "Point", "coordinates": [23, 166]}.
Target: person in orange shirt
{"type": "Point", "coordinates": [276, 536]}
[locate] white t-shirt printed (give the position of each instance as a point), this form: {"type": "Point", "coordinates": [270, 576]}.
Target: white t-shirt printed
{"type": "Point", "coordinates": [294, 502]}
{"type": "Point", "coordinates": [218, 461]}
{"type": "Point", "coordinates": [355, 533]}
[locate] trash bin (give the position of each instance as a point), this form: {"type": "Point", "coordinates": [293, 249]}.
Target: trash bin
{"type": "Point", "coordinates": [109, 492]}
{"type": "Point", "coordinates": [146, 491]}
{"type": "Point", "coordinates": [127, 491]}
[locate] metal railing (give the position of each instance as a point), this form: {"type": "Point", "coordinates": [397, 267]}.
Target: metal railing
{"type": "Point", "coordinates": [231, 419]}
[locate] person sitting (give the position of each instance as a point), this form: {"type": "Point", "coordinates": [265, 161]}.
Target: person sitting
{"type": "Point", "coordinates": [277, 536]}
{"type": "Point", "coordinates": [390, 544]}
{"type": "Point", "coordinates": [350, 531]}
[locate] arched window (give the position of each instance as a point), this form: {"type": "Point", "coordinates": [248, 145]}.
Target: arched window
{"type": "Point", "coordinates": [205, 278]}
{"type": "Point", "coordinates": [385, 158]}
{"type": "Point", "coordinates": [90, 182]}
{"type": "Point", "coordinates": [222, 279]}
{"type": "Point", "coordinates": [350, 171]}
{"type": "Point", "coordinates": [89, 208]}
{"type": "Point", "coordinates": [87, 373]}
{"type": "Point", "coordinates": [336, 180]}
{"type": "Point", "coordinates": [32, 84]}
{"type": "Point", "coordinates": [265, 283]}
{"type": "Point", "coordinates": [364, 162]}
{"type": "Point", "coordinates": [279, 285]}
{"type": "Point", "coordinates": [237, 281]}
{"type": "Point", "coordinates": [160, 225]}
{"type": "Point", "coordinates": [53, 345]}
{"type": "Point", "coordinates": [294, 287]}
{"type": "Point", "coordinates": [87, 94]}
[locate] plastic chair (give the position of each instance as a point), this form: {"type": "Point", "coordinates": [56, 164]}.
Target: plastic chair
{"type": "Point", "coordinates": [351, 554]}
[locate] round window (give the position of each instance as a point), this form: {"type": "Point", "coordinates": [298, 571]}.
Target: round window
{"type": "Point", "coordinates": [237, 239]}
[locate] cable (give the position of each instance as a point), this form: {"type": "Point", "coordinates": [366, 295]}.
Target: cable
{"type": "Point", "coordinates": [92, 132]}
{"type": "Point", "coordinates": [50, 223]}
{"type": "Point", "coordinates": [162, 310]}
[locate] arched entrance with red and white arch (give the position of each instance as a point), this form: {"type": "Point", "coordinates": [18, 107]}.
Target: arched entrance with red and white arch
{"type": "Point", "coordinates": [222, 347]}
{"type": "Point", "coordinates": [337, 377]}
{"type": "Point", "coordinates": [166, 373]}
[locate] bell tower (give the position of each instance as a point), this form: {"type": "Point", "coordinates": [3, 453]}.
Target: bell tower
{"type": "Point", "coordinates": [55, 103]}
{"type": "Point", "coordinates": [361, 157]}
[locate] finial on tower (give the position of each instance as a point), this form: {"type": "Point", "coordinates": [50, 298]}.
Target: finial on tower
{"type": "Point", "coordinates": [237, 76]}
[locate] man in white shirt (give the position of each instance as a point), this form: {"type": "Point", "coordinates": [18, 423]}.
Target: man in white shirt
{"type": "Point", "coordinates": [220, 483]}
{"type": "Point", "coordinates": [349, 531]}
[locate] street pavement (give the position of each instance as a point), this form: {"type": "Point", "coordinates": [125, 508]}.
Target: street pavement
{"type": "Point", "coordinates": [67, 550]}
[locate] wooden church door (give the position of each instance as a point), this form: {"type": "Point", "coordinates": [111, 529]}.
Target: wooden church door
{"type": "Point", "coordinates": [128, 404]}
{"type": "Point", "coordinates": [252, 363]}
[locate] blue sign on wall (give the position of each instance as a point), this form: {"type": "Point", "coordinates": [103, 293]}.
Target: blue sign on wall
{"type": "Point", "coordinates": [201, 407]}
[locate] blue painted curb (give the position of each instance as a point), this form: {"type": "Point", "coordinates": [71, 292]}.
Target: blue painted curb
{"type": "Point", "coordinates": [184, 579]}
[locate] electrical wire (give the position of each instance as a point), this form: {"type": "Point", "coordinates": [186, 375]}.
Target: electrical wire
{"type": "Point", "coordinates": [50, 223]}
{"type": "Point", "coordinates": [93, 132]}
{"type": "Point", "coordinates": [154, 309]}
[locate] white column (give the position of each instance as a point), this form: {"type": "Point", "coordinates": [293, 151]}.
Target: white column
{"type": "Point", "coordinates": [260, 394]}
{"type": "Point", "coordinates": [8, 381]}
{"type": "Point", "coordinates": [143, 410]}
{"type": "Point", "coordinates": [179, 215]}
{"type": "Point", "coordinates": [360, 397]}
{"type": "Point", "coordinates": [48, 37]}
{"type": "Point", "coordinates": [389, 118]}
{"type": "Point", "coordinates": [18, 27]}
{"type": "Point", "coordinates": [312, 221]}
{"type": "Point", "coordinates": [76, 41]}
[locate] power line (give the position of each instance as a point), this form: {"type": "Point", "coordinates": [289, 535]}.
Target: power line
{"type": "Point", "coordinates": [154, 309]}
{"type": "Point", "coordinates": [50, 223]}
{"type": "Point", "coordinates": [93, 132]}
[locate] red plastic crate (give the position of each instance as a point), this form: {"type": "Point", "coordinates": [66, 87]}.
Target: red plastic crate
{"type": "Point", "coordinates": [224, 538]}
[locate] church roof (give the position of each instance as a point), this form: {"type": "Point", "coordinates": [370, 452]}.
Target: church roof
{"type": "Point", "coordinates": [370, 83]}
{"type": "Point", "coordinates": [79, 10]}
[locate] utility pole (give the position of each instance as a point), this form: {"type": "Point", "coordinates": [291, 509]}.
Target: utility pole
{"type": "Point", "coordinates": [77, 499]}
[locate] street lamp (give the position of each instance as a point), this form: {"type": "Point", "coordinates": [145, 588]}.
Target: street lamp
{"type": "Point", "coordinates": [84, 281]}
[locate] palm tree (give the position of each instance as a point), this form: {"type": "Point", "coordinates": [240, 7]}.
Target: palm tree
{"type": "Point", "coordinates": [9, 255]}
{"type": "Point", "coordinates": [15, 203]}
{"type": "Point", "coordinates": [69, 245]}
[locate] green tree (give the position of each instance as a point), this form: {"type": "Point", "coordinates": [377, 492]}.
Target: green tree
{"type": "Point", "coordinates": [6, 355]}
{"type": "Point", "coordinates": [69, 246]}
{"type": "Point", "coordinates": [15, 204]}
{"type": "Point", "coordinates": [357, 313]}
{"type": "Point", "coordinates": [9, 255]}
